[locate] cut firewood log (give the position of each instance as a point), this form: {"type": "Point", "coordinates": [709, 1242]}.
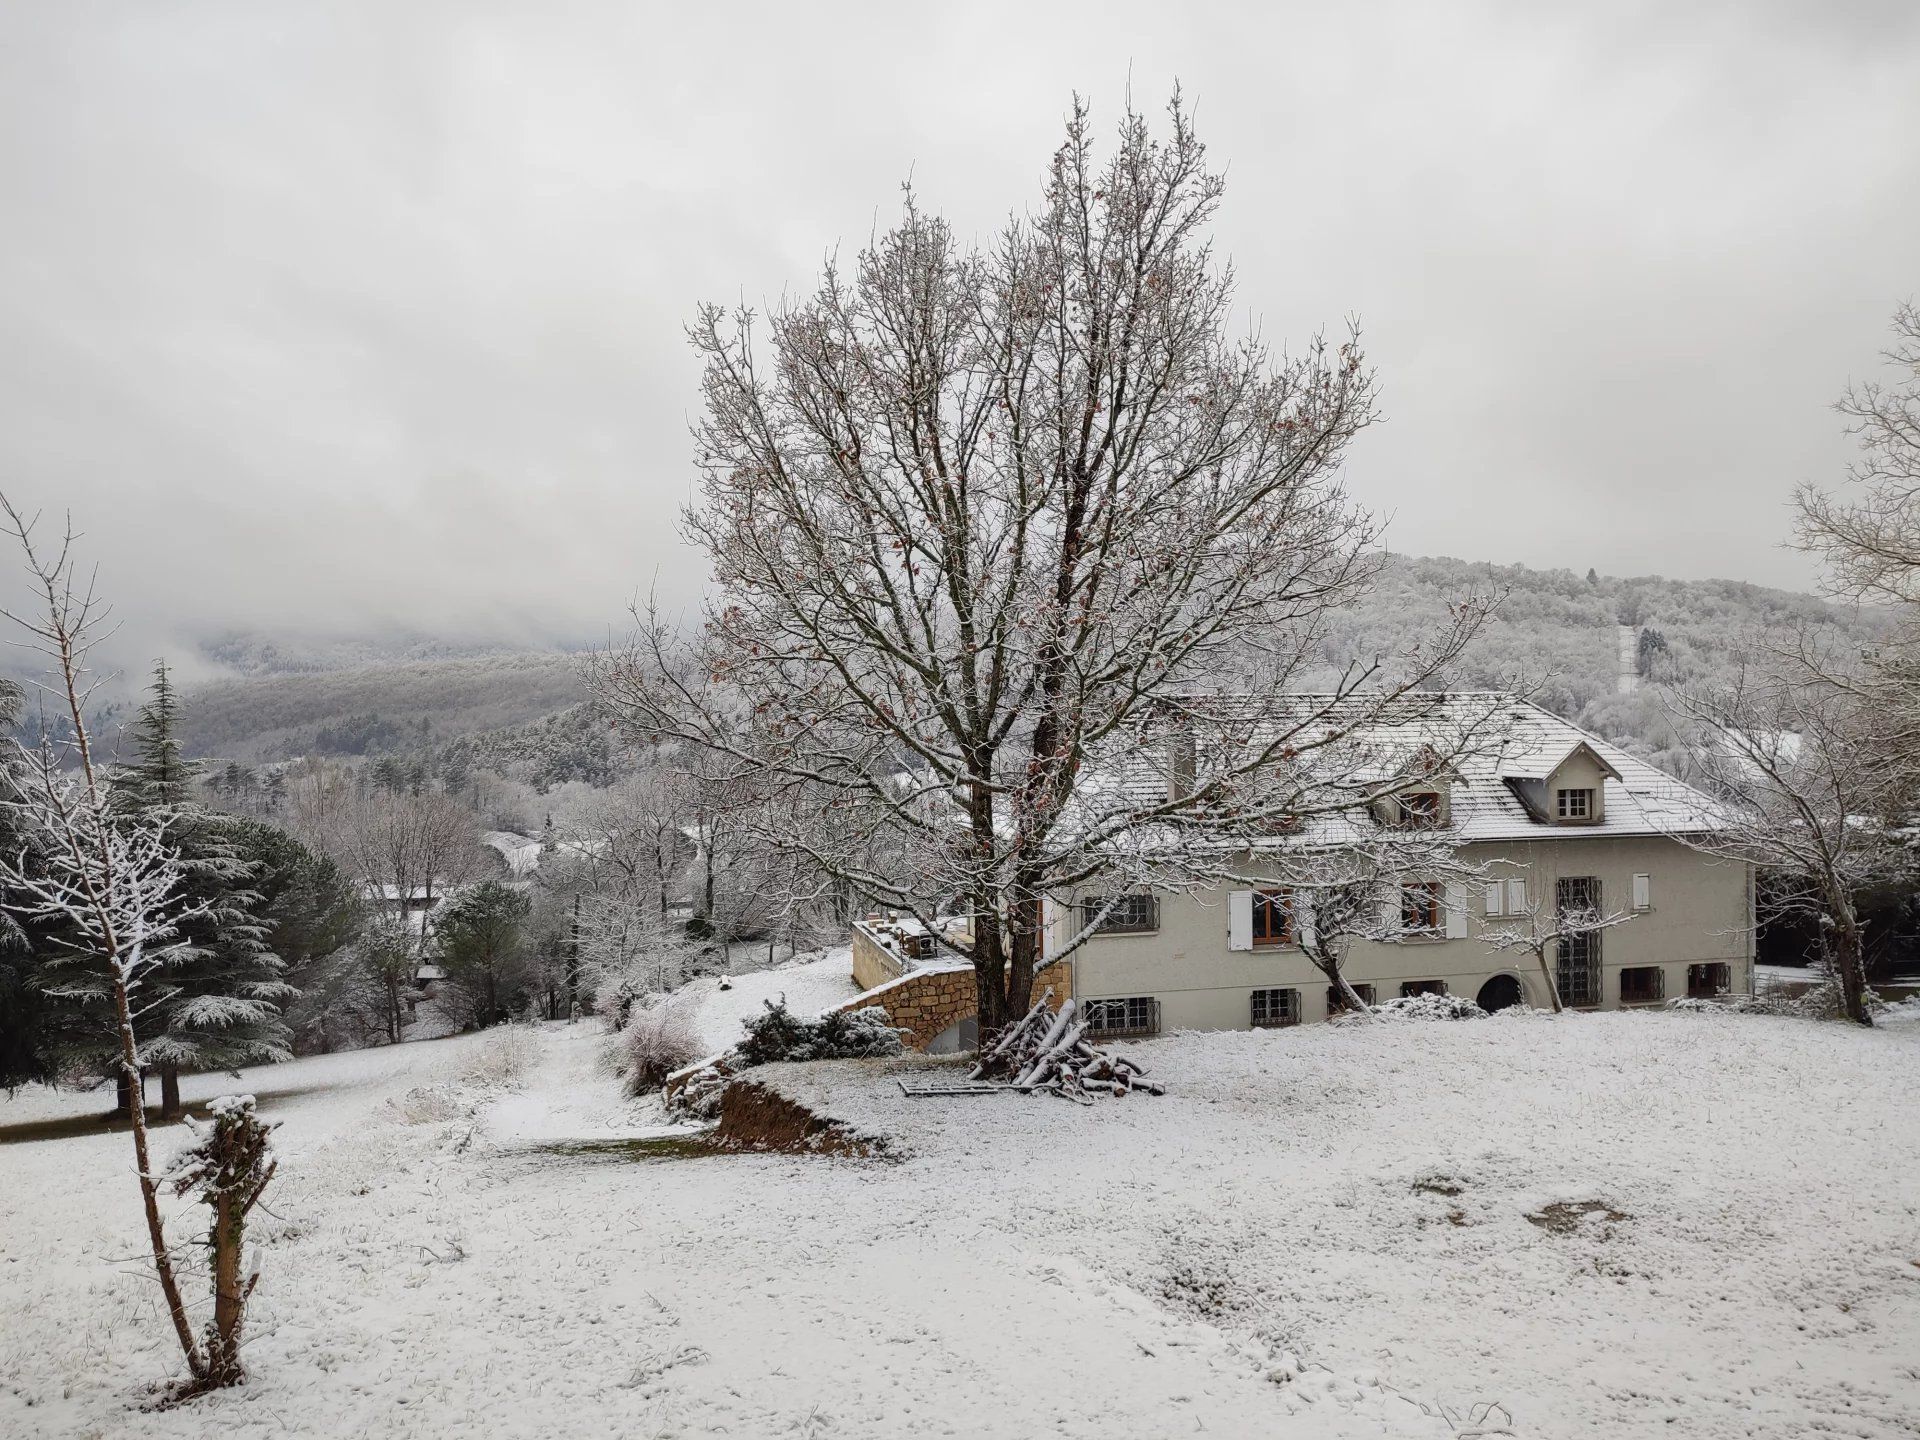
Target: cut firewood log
{"type": "Point", "coordinates": [1047, 1051]}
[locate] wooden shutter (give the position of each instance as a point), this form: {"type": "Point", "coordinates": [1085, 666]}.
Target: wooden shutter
{"type": "Point", "coordinates": [1456, 912]}
{"type": "Point", "coordinates": [1240, 920]}
{"type": "Point", "coordinates": [1303, 931]}
{"type": "Point", "coordinates": [1643, 892]}
{"type": "Point", "coordinates": [1496, 896]}
{"type": "Point", "coordinates": [1516, 897]}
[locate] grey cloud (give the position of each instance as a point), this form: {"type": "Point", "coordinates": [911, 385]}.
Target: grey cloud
{"type": "Point", "coordinates": [365, 315]}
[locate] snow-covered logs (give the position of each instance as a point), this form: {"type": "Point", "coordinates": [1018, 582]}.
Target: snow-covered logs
{"type": "Point", "coordinates": [1049, 1050]}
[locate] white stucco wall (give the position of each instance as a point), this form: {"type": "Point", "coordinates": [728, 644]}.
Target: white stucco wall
{"type": "Point", "coordinates": [1699, 912]}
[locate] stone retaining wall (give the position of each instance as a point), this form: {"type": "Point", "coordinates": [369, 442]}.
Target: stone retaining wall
{"type": "Point", "coordinates": [925, 1003]}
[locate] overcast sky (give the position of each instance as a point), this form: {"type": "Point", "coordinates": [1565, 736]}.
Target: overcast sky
{"type": "Point", "coordinates": [341, 316]}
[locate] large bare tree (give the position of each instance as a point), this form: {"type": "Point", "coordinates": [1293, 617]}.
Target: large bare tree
{"type": "Point", "coordinates": [1811, 773]}
{"type": "Point", "coordinates": [979, 518]}
{"type": "Point", "coordinates": [1869, 532]}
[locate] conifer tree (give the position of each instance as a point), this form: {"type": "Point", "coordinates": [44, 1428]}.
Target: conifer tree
{"type": "Point", "coordinates": [160, 775]}
{"type": "Point", "coordinates": [217, 1007]}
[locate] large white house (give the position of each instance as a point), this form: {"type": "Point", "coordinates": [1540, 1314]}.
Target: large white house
{"type": "Point", "coordinates": [1551, 819]}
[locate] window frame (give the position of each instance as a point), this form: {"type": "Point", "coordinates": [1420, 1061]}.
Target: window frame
{"type": "Point", "coordinates": [1659, 986]}
{"type": "Point", "coordinates": [1267, 903]}
{"type": "Point", "coordinates": [1139, 1016]}
{"type": "Point", "coordinates": [1578, 955]}
{"type": "Point", "coordinates": [1289, 1005]}
{"type": "Point", "coordinates": [1423, 817]}
{"type": "Point", "coordinates": [1090, 906]}
{"type": "Point", "coordinates": [1435, 892]}
{"type": "Point", "coordinates": [1588, 809]}
{"type": "Point", "coordinates": [1720, 984]}
{"type": "Point", "coordinates": [1411, 988]}
{"type": "Point", "coordinates": [1336, 1001]}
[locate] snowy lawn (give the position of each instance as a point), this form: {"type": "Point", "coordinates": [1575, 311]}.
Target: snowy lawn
{"type": "Point", "coordinates": [809, 984]}
{"type": "Point", "coordinates": [1321, 1232]}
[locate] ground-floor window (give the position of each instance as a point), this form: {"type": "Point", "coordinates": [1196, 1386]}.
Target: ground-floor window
{"type": "Point", "coordinates": [1577, 954]}
{"type": "Point", "coordinates": [1709, 981]}
{"type": "Point", "coordinates": [1134, 1015]}
{"type": "Point", "coordinates": [1640, 984]}
{"type": "Point", "coordinates": [1125, 914]}
{"type": "Point", "coordinates": [1337, 1000]}
{"type": "Point", "coordinates": [1273, 1008]}
{"type": "Point", "coordinates": [1423, 987]}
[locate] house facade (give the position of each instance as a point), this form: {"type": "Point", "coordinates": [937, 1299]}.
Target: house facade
{"type": "Point", "coordinates": [1556, 822]}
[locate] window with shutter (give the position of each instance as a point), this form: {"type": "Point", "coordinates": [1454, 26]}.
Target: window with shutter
{"type": "Point", "coordinates": [1272, 918]}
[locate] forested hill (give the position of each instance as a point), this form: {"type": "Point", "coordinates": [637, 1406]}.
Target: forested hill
{"type": "Point", "coordinates": [376, 709]}
{"type": "Point", "coordinates": [1556, 632]}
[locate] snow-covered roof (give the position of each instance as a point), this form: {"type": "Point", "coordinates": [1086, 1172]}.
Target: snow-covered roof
{"type": "Point", "coordinates": [1538, 762]}
{"type": "Point", "coordinates": [1516, 741]}
{"type": "Point", "coordinates": [520, 852]}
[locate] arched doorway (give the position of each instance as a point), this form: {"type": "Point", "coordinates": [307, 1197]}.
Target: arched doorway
{"type": "Point", "coordinates": [1499, 993]}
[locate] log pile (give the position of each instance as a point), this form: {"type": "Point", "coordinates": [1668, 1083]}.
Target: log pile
{"type": "Point", "coordinates": [1049, 1051]}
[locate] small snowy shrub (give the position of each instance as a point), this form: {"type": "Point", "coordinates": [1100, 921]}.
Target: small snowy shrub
{"type": "Point", "coordinates": [507, 1054]}
{"type": "Point", "coordinates": [838, 1035]}
{"type": "Point", "coordinates": [226, 1167]}
{"type": "Point", "coordinates": [656, 1043]}
{"type": "Point", "coordinates": [1429, 1007]}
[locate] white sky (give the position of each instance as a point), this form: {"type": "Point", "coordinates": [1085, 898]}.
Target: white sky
{"type": "Point", "coordinates": [354, 315]}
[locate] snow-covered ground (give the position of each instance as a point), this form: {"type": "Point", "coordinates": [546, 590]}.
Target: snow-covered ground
{"type": "Point", "coordinates": [1319, 1232]}
{"type": "Point", "coordinates": [809, 984]}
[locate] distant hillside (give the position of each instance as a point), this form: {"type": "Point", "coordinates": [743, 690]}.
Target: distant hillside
{"type": "Point", "coordinates": [376, 709]}
{"type": "Point", "coordinates": [1557, 635]}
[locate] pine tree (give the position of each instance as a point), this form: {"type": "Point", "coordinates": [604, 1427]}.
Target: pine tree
{"type": "Point", "coordinates": [161, 774]}
{"type": "Point", "coordinates": [217, 1006]}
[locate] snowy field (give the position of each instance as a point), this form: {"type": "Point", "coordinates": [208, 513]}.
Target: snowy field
{"type": "Point", "coordinates": [1319, 1232]}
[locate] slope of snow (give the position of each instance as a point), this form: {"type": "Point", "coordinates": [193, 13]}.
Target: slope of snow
{"type": "Point", "coordinates": [809, 985]}
{"type": "Point", "coordinates": [1320, 1232]}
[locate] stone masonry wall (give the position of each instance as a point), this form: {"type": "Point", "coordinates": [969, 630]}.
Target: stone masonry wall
{"type": "Point", "coordinates": [926, 1002]}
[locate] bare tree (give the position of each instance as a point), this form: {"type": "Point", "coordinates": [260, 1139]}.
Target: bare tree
{"type": "Point", "coordinates": [979, 519]}
{"type": "Point", "coordinates": [1555, 930]}
{"type": "Point", "coordinates": [114, 882]}
{"type": "Point", "coordinates": [1871, 539]}
{"type": "Point", "coordinates": [1869, 536]}
{"type": "Point", "coordinates": [1357, 896]}
{"type": "Point", "coordinates": [1813, 779]}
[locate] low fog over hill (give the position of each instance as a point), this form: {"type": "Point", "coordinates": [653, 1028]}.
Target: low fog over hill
{"type": "Point", "coordinates": [1559, 633]}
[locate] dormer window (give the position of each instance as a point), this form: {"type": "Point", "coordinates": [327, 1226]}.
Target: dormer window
{"type": "Point", "coordinates": [1573, 804]}
{"type": "Point", "coordinates": [1420, 810]}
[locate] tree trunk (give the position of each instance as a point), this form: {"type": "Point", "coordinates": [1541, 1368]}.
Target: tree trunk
{"type": "Point", "coordinates": [1845, 959]}
{"type": "Point", "coordinates": [149, 1191]}
{"type": "Point", "coordinates": [1546, 974]}
{"type": "Point", "coordinates": [229, 1293]}
{"type": "Point", "coordinates": [169, 1092]}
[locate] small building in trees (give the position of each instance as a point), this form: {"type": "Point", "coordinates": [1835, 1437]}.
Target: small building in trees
{"type": "Point", "coordinates": [1547, 868]}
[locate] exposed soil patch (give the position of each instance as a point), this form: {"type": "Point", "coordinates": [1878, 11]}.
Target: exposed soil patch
{"type": "Point", "coordinates": [1439, 1185]}
{"type": "Point", "coordinates": [757, 1117]}
{"type": "Point", "coordinates": [1568, 1217]}
{"type": "Point", "coordinates": [634, 1148]}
